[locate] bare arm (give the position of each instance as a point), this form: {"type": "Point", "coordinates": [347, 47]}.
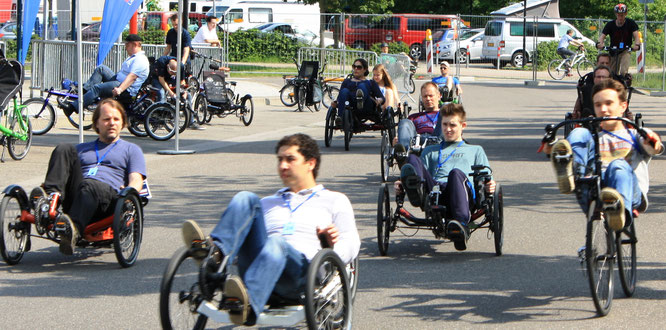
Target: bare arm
{"type": "Point", "coordinates": [602, 38]}
{"type": "Point", "coordinates": [186, 55]}
{"type": "Point", "coordinates": [129, 80]}
{"type": "Point", "coordinates": [166, 86]}
{"type": "Point", "coordinates": [135, 181]}
{"type": "Point", "coordinates": [637, 41]}
{"type": "Point", "coordinates": [167, 50]}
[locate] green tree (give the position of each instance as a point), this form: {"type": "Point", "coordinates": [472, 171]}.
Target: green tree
{"type": "Point", "coordinates": [153, 5]}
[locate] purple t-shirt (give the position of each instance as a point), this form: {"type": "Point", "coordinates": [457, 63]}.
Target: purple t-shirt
{"type": "Point", "coordinates": [424, 121]}
{"type": "Point", "coordinates": [117, 160]}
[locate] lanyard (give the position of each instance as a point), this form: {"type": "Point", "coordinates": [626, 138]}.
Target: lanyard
{"type": "Point", "coordinates": [441, 147]}
{"type": "Point", "coordinates": [433, 120]}
{"type": "Point", "coordinates": [634, 143]}
{"type": "Point", "coordinates": [99, 161]}
{"type": "Point", "coordinates": [288, 201]}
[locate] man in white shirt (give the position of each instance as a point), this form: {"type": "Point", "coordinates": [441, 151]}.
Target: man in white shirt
{"type": "Point", "coordinates": [274, 239]}
{"type": "Point", "coordinates": [207, 34]}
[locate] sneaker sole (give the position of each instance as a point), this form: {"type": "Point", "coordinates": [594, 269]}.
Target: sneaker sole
{"type": "Point", "coordinates": [412, 184]}
{"type": "Point", "coordinates": [563, 171]}
{"type": "Point", "coordinates": [457, 236]}
{"type": "Point", "coordinates": [191, 233]}
{"type": "Point", "coordinates": [67, 240]}
{"type": "Point", "coordinates": [234, 288]}
{"type": "Point", "coordinates": [615, 214]}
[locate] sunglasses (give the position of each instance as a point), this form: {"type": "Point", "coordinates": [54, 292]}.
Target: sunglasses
{"type": "Point", "coordinates": [357, 67]}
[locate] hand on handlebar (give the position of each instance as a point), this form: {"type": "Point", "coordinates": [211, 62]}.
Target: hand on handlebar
{"type": "Point", "coordinates": [490, 186]}
{"type": "Point", "coordinates": [397, 186]}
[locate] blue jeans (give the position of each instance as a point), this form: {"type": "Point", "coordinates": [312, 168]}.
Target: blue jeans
{"type": "Point", "coordinates": [407, 131]}
{"type": "Point", "coordinates": [162, 94]}
{"type": "Point", "coordinates": [101, 84]}
{"type": "Point", "coordinates": [618, 175]}
{"type": "Point", "coordinates": [349, 95]}
{"type": "Point", "coordinates": [267, 264]}
{"type": "Point", "coordinates": [457, 194]}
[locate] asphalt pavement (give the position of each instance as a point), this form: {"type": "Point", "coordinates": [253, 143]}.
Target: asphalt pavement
{"type": "Point", "coordinates": [423, 283]}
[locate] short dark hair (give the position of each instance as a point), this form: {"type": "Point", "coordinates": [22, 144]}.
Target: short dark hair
{"type": "Point", "coordinates": [600, 55]}
{"type": "Point", "coordinates": [174, 17]}
{"type": "Point", "coordinates": [112, 103]}
{"type": "Point", "coordinates": [453, 109]}
{"type": "Point", "coordinates": [611, 84]}
{"type": "Point", "coordinates": [210, 18]}
{"type": "Point", "coordinates": [307, 147]}
{"type": "Point", "coordinates": [602, 67]}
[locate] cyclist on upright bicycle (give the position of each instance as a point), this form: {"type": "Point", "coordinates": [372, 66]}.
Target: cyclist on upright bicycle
{"type": "Point", "coordinates": [563, 48]}
{"type": "Point", "coordinates": [623, 33]}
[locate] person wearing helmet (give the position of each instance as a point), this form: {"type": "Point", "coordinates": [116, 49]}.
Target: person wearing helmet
{"type": "Point", "coordinates": [623, 33]}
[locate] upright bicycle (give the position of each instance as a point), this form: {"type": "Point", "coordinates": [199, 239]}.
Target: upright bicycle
{"type": "Point", "coordinates": [14, 122]}
{"type": "Point", "coordinates": [557, 69]}
{"type": "Point", "coordinates": [603, 246]}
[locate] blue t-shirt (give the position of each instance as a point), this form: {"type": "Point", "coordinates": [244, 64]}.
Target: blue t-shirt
{"type": "Point", "coordinates": [137, 64]}
{"type": "Point", "coordinates": [458, 154]}
{"type": "Point", "coordinates": [117, 161]}
{"type": "Point", "coordinates": [441, 81]}
{"type": "Point", "coordinates": [564, 41]}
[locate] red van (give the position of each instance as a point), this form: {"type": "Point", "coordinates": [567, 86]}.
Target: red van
{"type": "Point", "coordinates": [159, 20]}
{"type": "Point", "coordinates": [361, 31]}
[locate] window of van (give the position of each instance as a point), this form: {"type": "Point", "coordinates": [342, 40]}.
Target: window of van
{"type": "Point", "coordinates": [562, 29]}
{"type": "Point", "coordinates": [422, 24]}
{"type": "Point", "coordinates": [493, 29]}
{"type": "Point", "coordinates": [234, 14]}
{"type": "Point", "coordinates": [384, 23]}
{"type": "Point", "coordinates": [260, 15]}
{"type": "Point", "coordinates": [544, 30]}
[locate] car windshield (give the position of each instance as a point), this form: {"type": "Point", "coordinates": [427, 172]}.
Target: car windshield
{"type": "Point", "coordinates": [263, 26]}
{"type": "Point", "coordinates": [467, 34]}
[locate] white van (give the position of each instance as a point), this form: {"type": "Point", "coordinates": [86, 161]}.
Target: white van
{"type": "Point", "coordinates": [507, 33]}
{"type": "Point", "coordinates": [247, 14]}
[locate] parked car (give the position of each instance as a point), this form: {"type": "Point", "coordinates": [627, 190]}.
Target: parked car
{"type": "Point", "coordinates": [302, 35]}
{"type": "Point", "coordinates": [91, 31]}
{"type": "Point", "coordinates": [507, 34]}
{"type": "Point", "coordinates": [467, 38]}
{"type": "Point", "coordinates": [8, 31]}
{"type": "Point", "coordinates": [363, 31]}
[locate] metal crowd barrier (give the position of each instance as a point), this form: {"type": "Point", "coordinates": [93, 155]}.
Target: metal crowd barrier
{"type": "Point", "coordinates": [56, 60]}
{"type": "Point", "coordinates": [338, 61]}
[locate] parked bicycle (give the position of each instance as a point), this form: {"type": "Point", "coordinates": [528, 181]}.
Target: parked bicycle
{"type": "Point", "coordinates": [295, 90]}
{"type": "Point", "coordinates": [14, 123]}
{"type": "Point", "coordinates": [194, 83]}
{"type": "Point", "coordinates": [218, 97]}
{"type": "Point", "coordinates": [559, 68]}
{"type": "Point", "coordinates": [160, 118]}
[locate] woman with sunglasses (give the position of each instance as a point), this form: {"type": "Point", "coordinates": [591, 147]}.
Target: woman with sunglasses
{"type": "Point", "coordinates": [386, 85]}
{"type": "Point", "coordinates": [362, 94]}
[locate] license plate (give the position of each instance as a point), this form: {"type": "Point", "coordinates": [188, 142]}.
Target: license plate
{"type": "Point", "coordinates": [491, 44]}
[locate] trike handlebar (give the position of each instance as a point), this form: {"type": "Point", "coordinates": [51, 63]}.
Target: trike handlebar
{"type": "Point", "coordinates": [592, 122]}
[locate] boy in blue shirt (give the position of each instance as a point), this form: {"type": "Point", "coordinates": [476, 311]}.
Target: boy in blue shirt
{"type": "Point", "coordinates": [446, 164]}
{"type": "Point", "coordinates": [563, 48]}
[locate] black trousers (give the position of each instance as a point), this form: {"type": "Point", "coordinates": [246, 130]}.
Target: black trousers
{"type": "Point", "coordinates": [84, 200]}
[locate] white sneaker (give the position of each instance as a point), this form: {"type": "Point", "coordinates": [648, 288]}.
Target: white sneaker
{"type": "Point", "coordinates": [191, 233]}
{"type": "Point", "coordinates": [562, 159]}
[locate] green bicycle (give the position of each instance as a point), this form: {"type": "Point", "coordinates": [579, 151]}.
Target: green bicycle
{"type": "Point", "coordinates": [14, 123]}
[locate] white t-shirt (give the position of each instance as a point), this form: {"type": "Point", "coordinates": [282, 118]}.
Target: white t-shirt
{"type": "Point", "coordinates": [296, 216]}
{"type": "Point", "coordinates": [205, 34]}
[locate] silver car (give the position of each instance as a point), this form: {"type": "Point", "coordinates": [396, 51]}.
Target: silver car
{"type": "Point", "coordinates": [472, 38]}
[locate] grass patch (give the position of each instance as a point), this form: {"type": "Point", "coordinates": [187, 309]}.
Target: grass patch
{"type": "Point", "coordinates": [653, 80]}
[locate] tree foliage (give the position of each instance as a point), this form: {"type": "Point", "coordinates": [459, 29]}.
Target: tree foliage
{"type": "Point", "coordinates": [353, 6]}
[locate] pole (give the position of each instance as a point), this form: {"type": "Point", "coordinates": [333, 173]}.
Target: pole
{"type": "Point", "coordinates": [524, 32]}
{"type": "Point", "coordinates": [133, 24]}
{"type": "Point", "coordinates": [643, 49]}
{"type": "Point", "coordinates": [45, 20]}
{"type": "Point", "coordinates": [79, 64]}
{"type": "Point", "coordinates": [179, 55]}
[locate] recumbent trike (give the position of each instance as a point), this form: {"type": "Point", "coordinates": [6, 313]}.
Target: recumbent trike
{"type": "Point", "coordinates": [488, 212]}
{"type": "Point", "coordinates": [18, 212]}
{"type": "Point", "coordinates": [190, 292]}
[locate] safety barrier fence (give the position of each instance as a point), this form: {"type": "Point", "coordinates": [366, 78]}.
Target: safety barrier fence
{"type": "Point", "coordinates": [347, 33]}
{"type": "Point", "coordinates": [54, 60]}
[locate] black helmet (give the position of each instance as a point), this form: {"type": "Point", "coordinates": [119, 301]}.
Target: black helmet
{"type": "Point", "coordinates": [383, 45]}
